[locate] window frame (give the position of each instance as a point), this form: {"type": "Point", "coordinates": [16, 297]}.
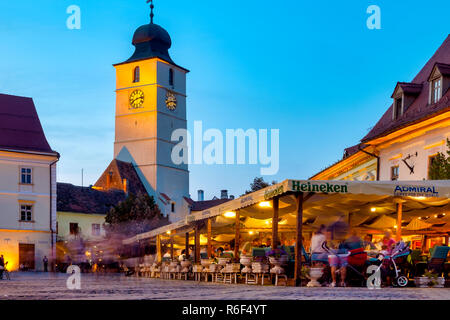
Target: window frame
{"type": "Point", "coordinates": [29, 211]}
{"type": "Point", "coordinates": [77, 231]}
{"type": "Point", "coordinates": [98, 231]}
{"type": "Point", "coordinates": [398, 107]}
{"type": "Point", "coordinates": [395, 177]}
{"type": "Point", "coordinates": [436, 91]}
{"type": "Point", "coordinates": [171, 77]}
{"type": "Point", "coordinates": [136, 74]}
{"type": "Point", "coordinates": [27, 174]}
{"type": "Point", "coordinates": [430, 160]}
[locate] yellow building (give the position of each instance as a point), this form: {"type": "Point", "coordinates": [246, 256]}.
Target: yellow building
{"type": "Point", "coordinates": [27, 186]}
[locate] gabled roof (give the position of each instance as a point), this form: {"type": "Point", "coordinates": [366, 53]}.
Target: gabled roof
{"type": "Point", "coordinates": [20, 128]}
{"type": "Point", "coordinates": [121, 170]}
{"type": "Point", "coordinates": [204, 205]}
{"type": "Point", "coordinates": [443, 68]}
{"type": "Point", "coordinates": [408, 88]}
{"type": "Point", "coordinates": [77, 199]}
{"type": "Point", "coordinates": [419, 109]}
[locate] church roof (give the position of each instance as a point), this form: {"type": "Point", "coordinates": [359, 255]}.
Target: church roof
{"type": "Point", "coordinates": [420, 109]}
{"type": "Point", "coordinates": [204, 205]}
{"type": "Point", "coordinates": [77, 199]}
{"type": "Point", "coordinates": [119, 171]}
{"type": "Point", "coordinates": [20, 127]}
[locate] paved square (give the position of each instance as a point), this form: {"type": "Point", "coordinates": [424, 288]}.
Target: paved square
{"type": "Point", "coordinates": [51, 286]}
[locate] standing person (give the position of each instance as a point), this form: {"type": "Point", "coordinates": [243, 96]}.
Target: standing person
{"type": "Point", "coordinates": [318, 240]}
{"type": "Point", "coordinates": [45, 261]}
{"type": "Point", "coordinates": [2, 266]}
{"type": "Point", "coordinates": [388, 241]}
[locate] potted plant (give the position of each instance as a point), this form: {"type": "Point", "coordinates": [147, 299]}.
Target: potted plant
{"type": "Point", "coordinates": [304, 275]}
{"type": "Point", "coordinates": [429, 279]}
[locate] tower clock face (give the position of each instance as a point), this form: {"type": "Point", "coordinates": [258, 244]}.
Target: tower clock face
{"type": "Point", "coordinates": [136, 99]}
{"type": "Point", "coordinates": [171, 101]}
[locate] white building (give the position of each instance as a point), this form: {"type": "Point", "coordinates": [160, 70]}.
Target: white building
{"type": "Point", "coordinates": [27, 186]}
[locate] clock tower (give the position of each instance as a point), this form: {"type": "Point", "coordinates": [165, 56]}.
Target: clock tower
{"type": "Point", "coordinates": [150, 105]}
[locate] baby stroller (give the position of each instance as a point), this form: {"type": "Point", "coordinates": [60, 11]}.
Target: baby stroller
{"type": "Point", "coordinates": [396, 264]}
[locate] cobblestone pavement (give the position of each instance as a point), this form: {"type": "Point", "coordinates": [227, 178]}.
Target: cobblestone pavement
{"type": "Point", "coordinates": [53, 286]}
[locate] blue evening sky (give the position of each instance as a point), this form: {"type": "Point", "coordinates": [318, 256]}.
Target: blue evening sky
{"type": "Point", "coordinates": [309, 68]}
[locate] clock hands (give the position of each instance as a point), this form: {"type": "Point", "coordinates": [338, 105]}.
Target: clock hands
{"type": "Point", "coordinates": [410, 167]}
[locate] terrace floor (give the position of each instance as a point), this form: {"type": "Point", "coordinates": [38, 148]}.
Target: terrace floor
{"type": "Point", "coordinates": [118, 287]}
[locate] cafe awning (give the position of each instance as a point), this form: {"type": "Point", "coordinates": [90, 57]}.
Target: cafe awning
{"type": "Point", "coordinates": [364, 199]}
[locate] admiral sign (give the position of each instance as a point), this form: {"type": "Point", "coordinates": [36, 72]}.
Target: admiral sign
{"type": "Point", "coordinates": [416, 191]}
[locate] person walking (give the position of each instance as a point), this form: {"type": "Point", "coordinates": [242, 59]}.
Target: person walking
{"type": "Point", "coordinates": [2, 266]}
{"type": "Point", "coordinates": [45, 261]}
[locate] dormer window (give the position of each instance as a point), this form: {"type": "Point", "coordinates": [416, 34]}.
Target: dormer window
{"type": "Point", "coordinates": [439, 80]}
{"type": "Point", "coordinates": [137, 74]}
{"type": "Point", "coordinates": [404, 95]}
{"type": "Point", "coordinates": [398, 109]}
{"type": "Point", "coordinates": [436, 90]}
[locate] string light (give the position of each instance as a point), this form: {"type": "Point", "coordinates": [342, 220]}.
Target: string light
{"type": "Point", "coordinates": [230, 214]}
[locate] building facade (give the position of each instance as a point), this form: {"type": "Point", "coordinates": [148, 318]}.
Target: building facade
{"type": "Point", "coordinates": [27, 187]}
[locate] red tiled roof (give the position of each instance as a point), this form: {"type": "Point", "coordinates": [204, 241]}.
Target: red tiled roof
{"type": "Point", "coordinates": [20, 128]}
{"type": "Point", "coordinates": [121, 170]}
{"type": "Point", "coordinates": [419, 109]}
{"type": "Point", "coordinates": [165, 196]}
{"type": "Point", "coordinates": [204, 205]}
{"type": "Point", "coordinates": [77, 199]}
{"type": "Point", "coordinates": [352, 150]}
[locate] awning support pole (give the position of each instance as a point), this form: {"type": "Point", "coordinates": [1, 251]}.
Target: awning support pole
{"type": "Point", "coordinates": [158, 248]}
{"type": "Point", "coordinates": [399, 221]}
{"type": "Point", "coordinates": [209, 238]}
{"type": "Point", "coordinates": [299, 240]}
{"type": "Point", "coordinates": [276, 202]}
{"type": "Point", "coordinates": [186, 248]}
{"type": "Point", "coordinates": [197, 245]}
{"type": "Point", "coordinates": [237, 235]}
{"type": "Point", "coordinates": [171, 247]}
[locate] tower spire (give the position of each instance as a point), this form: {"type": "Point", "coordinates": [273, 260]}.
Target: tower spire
{"type": "Point", "coordinates": [151, 10]}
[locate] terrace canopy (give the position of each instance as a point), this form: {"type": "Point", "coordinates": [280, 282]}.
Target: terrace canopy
{"type": "Point", "coordinates": [298, 205]}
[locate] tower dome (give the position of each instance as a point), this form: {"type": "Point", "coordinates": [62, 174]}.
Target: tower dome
{"type": "Point", "coordinates": [151, 41]}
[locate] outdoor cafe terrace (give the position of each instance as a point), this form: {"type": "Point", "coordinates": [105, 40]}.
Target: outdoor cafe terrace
{"type": "Point", "coordinates": [293, 209]}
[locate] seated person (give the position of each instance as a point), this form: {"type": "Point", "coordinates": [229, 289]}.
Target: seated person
{"type": "Point", "coordinates": [352, 242]}
{"type": "Point", "coordinates": [219, 252]}
{"type": "Point", "coordinates": [182, 256]}
{"type": "Point", "coordinates": [368, 244]}
{"type": "Point", "coordinates": [228, 253]}
{"type": "Point", "coordinates": [246, 247]}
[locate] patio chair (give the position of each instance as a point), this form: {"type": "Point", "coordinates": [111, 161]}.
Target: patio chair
{"type": "Point", "coordinates": [438, 259]}
{"type": "Point", "coordinates": [436, 263]}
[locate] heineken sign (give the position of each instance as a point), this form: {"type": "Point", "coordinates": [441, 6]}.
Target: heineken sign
{"type": "Point", "coordinates": [320, 187]}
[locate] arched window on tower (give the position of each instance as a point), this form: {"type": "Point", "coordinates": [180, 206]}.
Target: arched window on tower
{"type": "Point", "coordinates": [137, 74]}
{"type": "Point", "coordinates": [171, 77]}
